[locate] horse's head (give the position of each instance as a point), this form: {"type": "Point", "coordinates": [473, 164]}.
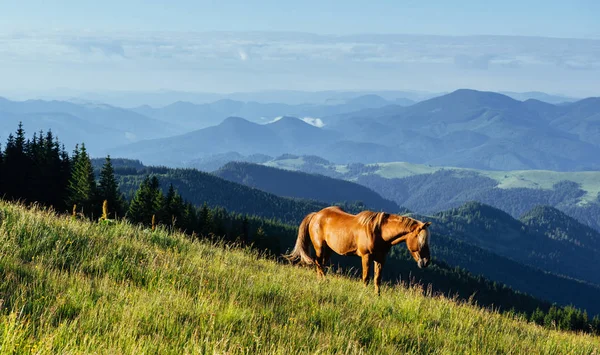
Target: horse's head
{"type": "Point", "coordinates": [418, 245]}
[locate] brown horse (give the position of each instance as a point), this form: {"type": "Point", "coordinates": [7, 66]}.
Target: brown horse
{"type": "Point", "coordinates": [369, 235]}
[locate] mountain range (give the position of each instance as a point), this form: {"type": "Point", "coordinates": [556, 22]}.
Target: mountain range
{"type": "Point", "coordinates": [98, 125]}
{"type": "Point", "coordinates": [104, 127]}
{"type": "Point", "coordinates": [466, 128]}
{"type": "Point", "coordinates": [191, 116]}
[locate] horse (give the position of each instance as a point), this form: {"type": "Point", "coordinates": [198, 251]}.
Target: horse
{"type": "Point", "coordinates": [368, 234]}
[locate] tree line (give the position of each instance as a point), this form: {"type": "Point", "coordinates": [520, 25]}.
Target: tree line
{"type": "Point", "coordinates": [40, 170]}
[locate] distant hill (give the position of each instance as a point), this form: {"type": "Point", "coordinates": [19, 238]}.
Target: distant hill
{"type": "Point", "coordinates": [99, 126]}
{"type": "Point", "coordinates": [538, 245]}
{"type": "Point", "coordinates": [199, 188]}
{"type": "Point", "coordinates": [194, 116]}
{"type": "Point", "coordinates": [303, 185]}
{"type": "Point", "coordinates": [490, 130]}
{"type": "Point", "coordinates": [465, 128]}
{"type": "Point", "coordinates": [430, 189]}
{"type": "Point", "coordinates": [216, 161]}
{"type": "Point", "coordinates": [556, 225]}
{"type": "Point", "coordinates": [541, 96]}
{"type": "Point", "coordinates": [233, 134]}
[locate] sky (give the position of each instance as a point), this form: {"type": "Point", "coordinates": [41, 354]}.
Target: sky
{"type": "Point", "coordinates": [228, 46]}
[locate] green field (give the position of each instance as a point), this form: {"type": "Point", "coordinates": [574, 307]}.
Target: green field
{"type": "Point", "coordinates": [70, 286]}
{"type": "Point", "coordinates": [531, 179]}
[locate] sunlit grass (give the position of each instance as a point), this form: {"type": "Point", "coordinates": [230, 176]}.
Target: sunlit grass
{"type": "Point", "coordinates": [69, 286]}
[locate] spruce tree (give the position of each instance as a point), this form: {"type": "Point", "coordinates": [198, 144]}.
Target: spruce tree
{"type": "Point", "coordinates": [108, 189]}
{"type": "Point", "coordinates": [82, 185]}
{"type": "Point", "coordinates": [17, 166]}
{"type": "Point", "coordinates": [174, 209]}
{"type": "Point", "coordinates": [146, 202]}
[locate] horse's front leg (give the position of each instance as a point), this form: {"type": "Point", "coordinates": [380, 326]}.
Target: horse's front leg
{"type": "Point", "coordinates": [366, 264]}
{"type": "Point", "coordinates": [378, 275]}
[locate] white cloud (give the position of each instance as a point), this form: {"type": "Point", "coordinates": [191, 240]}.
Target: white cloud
{"type": "Point", "coordinates": [317, 122]}
{"type": "Point", "coordinates": [243, 55]}
{"type": "Point", "coordinates": [275, 119]}
{"type": "Point", "coordinates": [221, 62]}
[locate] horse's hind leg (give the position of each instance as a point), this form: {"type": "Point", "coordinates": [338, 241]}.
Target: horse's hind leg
{"type": "Point", "coordinates": [325, 256]}
{"type": "Point", "coordinates": [319, 260]}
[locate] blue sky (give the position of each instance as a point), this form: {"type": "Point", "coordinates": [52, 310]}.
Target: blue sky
{"type": "Point", "coordinates": [304, 45]}
{"type": "Point", "coordinates": [575, 18]}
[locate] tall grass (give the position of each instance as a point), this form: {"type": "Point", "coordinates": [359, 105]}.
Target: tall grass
{"type": "Point", "coordinates": [71, 286]}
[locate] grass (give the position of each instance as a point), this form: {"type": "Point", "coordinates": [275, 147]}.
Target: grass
{"type": "Point", "coordinates": [531, 179]}
{"type": "Point", "coordinates": [70, 286]}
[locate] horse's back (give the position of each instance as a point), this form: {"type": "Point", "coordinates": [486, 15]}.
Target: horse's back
{"type": "Point", "coordinates": [337, 228]}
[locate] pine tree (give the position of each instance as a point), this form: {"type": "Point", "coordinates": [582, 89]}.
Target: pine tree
{"type": "Point", "coordinates": [174, 209]}
{"type": "Point", "coordinates": [245, 229]}
{"type": "Point", "coordinates": [17, 166]}
{"type": "Point", "coordinates": [204, 220]}
{"type": "Point", "coordinates": [108, 189]}
{"type": "Point", "coordinates": [64, 177]}
{"type": "Point", "coordinates": [82, 185]}
{"type": "Point", "coordinates": [146, 202]}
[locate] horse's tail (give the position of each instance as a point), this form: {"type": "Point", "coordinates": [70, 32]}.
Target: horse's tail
{"type": "Point", "coordinates": [301, 251]}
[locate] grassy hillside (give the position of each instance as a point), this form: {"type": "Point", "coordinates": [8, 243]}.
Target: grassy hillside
{"type": "Point", "coordinates": [72, 286]}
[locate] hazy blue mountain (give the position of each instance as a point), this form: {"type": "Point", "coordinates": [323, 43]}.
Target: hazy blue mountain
{"type": "Point", "coordinates": [483, 130]}
{"type": "Point", "coordinates": [161, 98]}
{"type": "Point", "coordinates": [302, 185]}
{"type": "Point", "coordinates": [216, 161]}
{"type": "Point", "coordinates": [541, 96]}
{"type": "Point", "coordinates": [99, 125]}
{"type": "Point", "coordinates": [234, 134]}
{"type": "Point", "coordinates": [582, 119]}
{"type": "Point", "coordinates": [299, 136]}
{"type": "Point", "coordinates": [465, 128]}
{"type": "Point", "coordinates": [69, 129]}
{"type": "Point", "coordinates": [192, 116]}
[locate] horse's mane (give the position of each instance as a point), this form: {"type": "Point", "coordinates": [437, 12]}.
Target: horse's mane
{"type": "Point", "coordinates": [373, 220]}
{"type": "Point", "coordinates": [408, 222]}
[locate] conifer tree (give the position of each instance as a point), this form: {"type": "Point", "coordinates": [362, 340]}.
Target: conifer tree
{"type": "Point", "coordinates": [108, 189]}
{"type": "Point", "coordinates": [82, 185]}
{"type": "Point", "coordinates": [16, 166]}
{"type": "Point", "coordinates": [245, 229]}
{"type": "Point", "coordinates": [146, 202]}
{"type": "Point", "coordinates": [174, 210]}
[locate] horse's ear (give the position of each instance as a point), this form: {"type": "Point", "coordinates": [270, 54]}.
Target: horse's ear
{"type": "Point", "coordinates": [427, 224]}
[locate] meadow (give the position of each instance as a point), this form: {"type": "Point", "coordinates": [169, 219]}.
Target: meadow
{"type": "Point", "coordinates": [73, 286]}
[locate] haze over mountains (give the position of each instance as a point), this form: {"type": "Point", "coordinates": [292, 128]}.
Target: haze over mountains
{"type": "Point", "coordinates": [98, 125]}
{"type": "Point", "coordinates": [465, 128]}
